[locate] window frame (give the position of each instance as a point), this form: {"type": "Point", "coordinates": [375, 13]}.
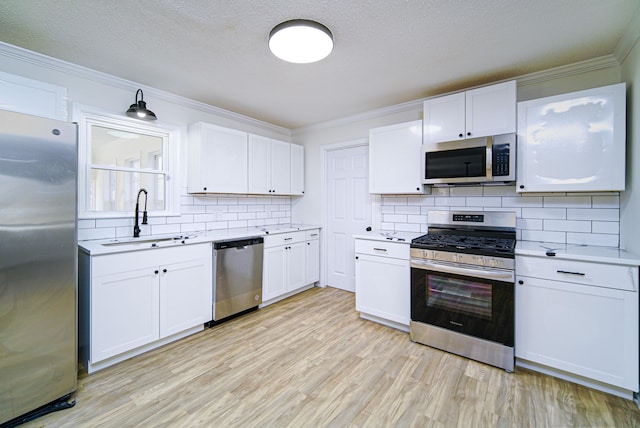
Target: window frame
{"type": "Point", "coordinates": [171, 135]}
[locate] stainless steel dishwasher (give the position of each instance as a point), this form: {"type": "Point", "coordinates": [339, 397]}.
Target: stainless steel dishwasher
{"type": "Point", "coordinates": [237, 277]}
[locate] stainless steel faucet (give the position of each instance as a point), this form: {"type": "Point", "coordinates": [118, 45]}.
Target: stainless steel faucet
{"type": "Point", "coordinates": [136, 228]}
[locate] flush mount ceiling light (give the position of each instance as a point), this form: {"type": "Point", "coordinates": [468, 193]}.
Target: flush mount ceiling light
{"type": "Point", "coordinates": [139, 109]}
{"type": "Point", "coordinates": [300, 41]}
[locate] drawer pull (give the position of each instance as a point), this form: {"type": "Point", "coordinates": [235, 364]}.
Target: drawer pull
{"type": "Point", "coordinates": [571, 273]}
{"type": "Point", "coordinates": [314, 234]}
{"type": "Point", "coordinates": [288, 239]}
{"type": "Point", "coordinates": [380, 249]}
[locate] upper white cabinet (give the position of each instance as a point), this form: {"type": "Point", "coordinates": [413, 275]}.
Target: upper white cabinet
{"type": "Point", "coordinates": [573, 142]}
{"type": "Point", "coordinates": [217, 159]}
{"type": "Point", "coordinates": [297, 169]}
{"type": "Point", "coordinates": [269, 166]}
{"type": "Point", "coordinates": [394, 158]}
{"type": "Point", "coordinates": [481, 112]}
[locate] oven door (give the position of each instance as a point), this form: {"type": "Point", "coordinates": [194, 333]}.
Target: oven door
{"type": "Point", "coordinates": [471, 300]}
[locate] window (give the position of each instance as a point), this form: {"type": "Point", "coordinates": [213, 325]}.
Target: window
{"type": "Point", "coordinates": [117, 157]}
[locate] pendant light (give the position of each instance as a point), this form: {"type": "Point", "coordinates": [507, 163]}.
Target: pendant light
{"type": "Point", "coordinates": [300, 41]}
{"type": "Point", "coordinates": [139, 109]}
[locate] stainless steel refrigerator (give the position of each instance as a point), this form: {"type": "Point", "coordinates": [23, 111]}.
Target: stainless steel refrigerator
{"type": "Point", "coordinates": [38, 175]}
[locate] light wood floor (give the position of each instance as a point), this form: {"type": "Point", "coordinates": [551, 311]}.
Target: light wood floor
{"type": "Point", "coordinates": [310, 361]}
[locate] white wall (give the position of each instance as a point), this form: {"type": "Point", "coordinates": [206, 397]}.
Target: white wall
{"type": "Point", "coordinates": [558, 217]}
{"type": "Point", "coordinates": [114, 95]}
{"type": "Point", "coordinates": [630, 199]}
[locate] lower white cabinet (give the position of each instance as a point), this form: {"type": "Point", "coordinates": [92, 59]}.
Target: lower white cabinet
{"type": "Point", "coordinates": [131, 302]}
{"type": "Point", "coordinates": [312, 256]}
{"type": "Point", "coordinates": [291, 264]}
{"type": "Point", "coordinates": [579, 317]}
{"type": "Point", "coordinates": [383, 282]}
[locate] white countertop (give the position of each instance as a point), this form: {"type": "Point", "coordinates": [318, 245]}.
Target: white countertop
{"type": "Point", "coordinates": [120, 245]}
{"type": "Point", "coordinates": [588, 253]}
{"type": "Point", "coordinates": [388, 235]}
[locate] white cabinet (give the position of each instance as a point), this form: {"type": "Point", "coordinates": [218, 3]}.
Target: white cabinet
{"type": "Point", "coordinates": [269, 166]}
{"type": "Point", "coordinates": [297, 169]}
{"type": "Point", "coordinates": [135, 301]}
{"type": "Point", "coordinates": [395, 158]}
{"type": "Point", "coordinates": [185, 295]}
{"type": "Point", "coordinates": [579, 317]}
{"type": "Point", "coordinates": [312, 256]}
{"type": "Point", "coordinates": [217, 159]}
{"type": "Point", "coordinates": [573, 142]}
{"type": "Point", "coordinates": [124, 312]}
{"type": "Point", "coordinates": [383, 282]}
{"type": "Point", "coordinates": [291, 264]}
{"type": "Point", "coordinates": [481, 112]}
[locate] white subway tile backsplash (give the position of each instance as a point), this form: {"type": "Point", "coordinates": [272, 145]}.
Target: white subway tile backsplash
{"type": "Point", "coordinates": [579, 218]}
{"type": "Point", "coordinates": [545, 236]}
{"type": "Point", "coordinates": [602, 240]}
{"type": "Point", "coordinates": [499, 190]}
{"type": "Point", "coordinates": [607, 201]}
{"type": "Point", "coordinates": [522, 201]}
{"type": "Point", "coordinates": [102, 233]}
{"type": "Point", "coordinates": [86, 224]}
{"type": "Point", "coordinates": [568, 201]}
{"type": "Point", "coordinates": [407, 209]}
{"type": "Point", "coordinates": [440, 191]}
{"type": "Point", "coordinates": [603, 214]}
{"type": "Point", "coordinates": [529, 223]}
{"type": "Point", "coordinates": [161, 229]}
{"type": "Point", "coordinates": [610, 227]}
{"type": "Point", "coordinates": [545, 213]}
{"type": "Point", "coordinates": [450, 201]}
{"type": "Point", "coordinates": [389, 200]}
{"type": "Point", "coordinates": [466, 191]}
{"type": "Point", "coordinates": [484, 201]}
{"type": "Point", "coordinates": [567, 225]}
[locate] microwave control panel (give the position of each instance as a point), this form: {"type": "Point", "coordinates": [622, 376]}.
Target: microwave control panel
{"type": "Point", "coordinates": [500, 154]}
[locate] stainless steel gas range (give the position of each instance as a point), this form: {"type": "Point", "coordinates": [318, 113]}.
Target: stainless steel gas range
{"type": "Point", "coordinates": [462, 285]}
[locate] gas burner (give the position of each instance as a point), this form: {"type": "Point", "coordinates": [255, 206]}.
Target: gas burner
{"type": "Point", "coordinates": [485, 235]}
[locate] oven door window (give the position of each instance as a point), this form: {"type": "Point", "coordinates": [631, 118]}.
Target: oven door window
{"type": "Point", "coordinates": [477, 307]}
{"type": "Point", "coordinates": [461, 296]}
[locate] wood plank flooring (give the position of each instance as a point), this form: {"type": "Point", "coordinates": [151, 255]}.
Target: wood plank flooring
{"type": "Point", "coordinates": [310, 361]}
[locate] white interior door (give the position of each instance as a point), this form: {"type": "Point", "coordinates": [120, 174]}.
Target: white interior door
{"type": "Point", "coordinates": [349, 211]}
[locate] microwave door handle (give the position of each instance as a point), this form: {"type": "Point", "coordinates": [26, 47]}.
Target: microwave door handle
{"type": "Point", "coordinates": [493, 274]}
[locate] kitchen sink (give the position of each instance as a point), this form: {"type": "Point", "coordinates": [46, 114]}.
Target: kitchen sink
{"type": "Point", "coordinates": [150, 240]}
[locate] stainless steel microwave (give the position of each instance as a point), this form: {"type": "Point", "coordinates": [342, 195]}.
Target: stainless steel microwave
{"type": "Point", "coordinates": [477, 160]}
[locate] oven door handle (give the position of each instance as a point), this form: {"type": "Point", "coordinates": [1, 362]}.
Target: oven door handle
{"type": "Point", "coordinates": [492, 274]}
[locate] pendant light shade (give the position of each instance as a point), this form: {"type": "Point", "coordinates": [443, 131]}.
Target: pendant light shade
{"type": "Point", "coordinates": [301, 41]}
{"type": "Point", "coordinates": [139, 109]}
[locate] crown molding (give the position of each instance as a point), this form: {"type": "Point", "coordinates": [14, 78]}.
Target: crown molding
{"type": "Point", "coordinates": [629, 38]}
{"type": "Point", "coordinates": [58, 65]}
{"type": "Point", "coordinates": [523, 80]}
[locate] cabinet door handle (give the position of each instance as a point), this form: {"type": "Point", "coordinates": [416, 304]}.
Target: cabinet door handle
{"type": "Point", "coordinates": [164, 271]}
{"type": "Point", "coordinates": [571, 273]}
{"type": "Point", "coordinates": [521, 282]}
{"type": "Point", "coordinates": [380, 249]}
{"type": "Point", "coordinates": [156, 272]}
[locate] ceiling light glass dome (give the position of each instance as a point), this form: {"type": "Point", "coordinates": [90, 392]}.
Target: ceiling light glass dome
{"type": "Point", "coordinates": [301, 41]}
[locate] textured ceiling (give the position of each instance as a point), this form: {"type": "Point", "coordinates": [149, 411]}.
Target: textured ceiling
{"type": "Point", "coordinates": [386, 51]}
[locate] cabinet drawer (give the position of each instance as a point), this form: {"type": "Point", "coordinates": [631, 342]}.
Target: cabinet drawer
{"type": "Point", "coordinates": [381, 248]}
{"type": "Point", "coordinates": [313, 234]}
{"type": "Point", "coordinates": [618, 277]}
{"type": "Point", "coordinates": [133, 260]}
{"type": "Point", "coordinates": [284, 239]}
